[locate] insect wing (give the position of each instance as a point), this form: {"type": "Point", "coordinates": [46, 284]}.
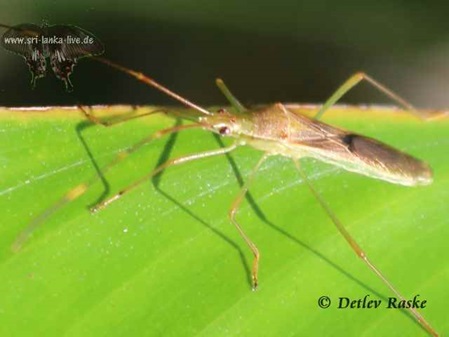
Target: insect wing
{"type": "Point", "coordinates": [67, 44]}
{"type": "Point", "coordinates": [25, 40]}
{"type": "Point", "coordinates": [22, 38]}
{"type": "Point", "coordinates": [360, 154]}
{"type": "Point", "coordinates": [73, 42]}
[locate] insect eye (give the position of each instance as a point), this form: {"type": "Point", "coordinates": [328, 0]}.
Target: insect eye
{"type": "Point", "coordinates": [224, 130]}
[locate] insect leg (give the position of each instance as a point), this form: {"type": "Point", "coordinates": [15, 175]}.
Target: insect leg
{"type": "Point", "coordinates": [229, 96]}
{"type": "Point", "coordinates": [80, 189]}
{"type": "Point", "coordinates": [172, 162]}
{"type": "Point", "coordinates": [232, 212]}
{"type": "Point", "coordinates": [360, 253]}
{"type": "Point", "coordinates": [356, 79]}
{"type": "Point", "coordinates": [94, 119]}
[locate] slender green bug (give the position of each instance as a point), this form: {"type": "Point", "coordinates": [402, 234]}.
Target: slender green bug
{"type": "Point", "coordinates": [277, 131]}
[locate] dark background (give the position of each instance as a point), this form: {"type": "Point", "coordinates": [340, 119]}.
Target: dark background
{"type": "Point", "coordinates": [266, 51]}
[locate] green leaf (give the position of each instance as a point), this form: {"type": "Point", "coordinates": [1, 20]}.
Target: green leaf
{"type": "Point", "coordinates": [166, 261]}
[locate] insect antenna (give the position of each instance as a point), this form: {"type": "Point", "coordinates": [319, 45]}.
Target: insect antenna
{"type": "Point", "coordinates": [149, 81]}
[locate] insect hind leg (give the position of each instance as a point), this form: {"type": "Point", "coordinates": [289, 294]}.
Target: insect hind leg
{"type": "Point", "coordinates": [355, 79]}
{"type": "Point", "coordinates": [360, 252]}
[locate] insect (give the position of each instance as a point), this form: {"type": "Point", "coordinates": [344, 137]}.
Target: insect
{"type": "Point", "coordinates": [63, 44]}
{"type": "Point", "coordinates": [275, 130]}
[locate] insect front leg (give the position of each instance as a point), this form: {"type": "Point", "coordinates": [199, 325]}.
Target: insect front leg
{"type": "Point", "coordinates": [87, 112]}
{"type": "Point", "coordinates": [233, 211]}
{"type": "Point", "coordinates": [80, 189]}
{"type": "Point", "coordinates": [239, 108]}
{"type": "Point", "coordinates": [172, 162]}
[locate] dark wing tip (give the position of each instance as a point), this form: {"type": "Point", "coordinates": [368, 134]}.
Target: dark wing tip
{"type": "Point", "coordinates": [396, 166]}
{"type": "Point", "coordinates": [425, 177]}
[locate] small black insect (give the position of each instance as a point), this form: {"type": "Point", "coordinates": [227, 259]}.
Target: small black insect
{"type": "Point", "coordinates": [63, 44]}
